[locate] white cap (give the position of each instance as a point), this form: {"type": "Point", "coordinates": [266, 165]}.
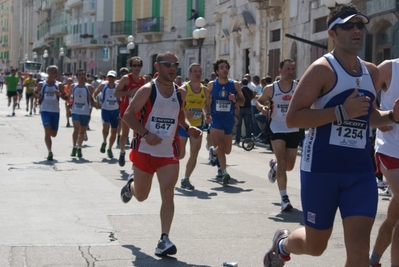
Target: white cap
{"type": "Point", "coordinates": [346, 16]}
{"type": "Point", "coordinates": [111, 73]}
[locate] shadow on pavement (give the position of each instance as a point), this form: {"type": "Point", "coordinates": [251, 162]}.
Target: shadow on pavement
{"type": "Point", "coordinates": [194, 193]}
{"type": "Point", "coordinates": [293, 216]}
{"type": "Point", "coordinates": [143, 259]}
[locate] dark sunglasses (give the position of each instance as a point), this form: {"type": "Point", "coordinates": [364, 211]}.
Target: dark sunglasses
{"type": "Point", "coordinates": [135, 65]}
{"type": "Point", "coordinates": [349, 25]}
{"type": "Point", "coordinates": [169, 64]}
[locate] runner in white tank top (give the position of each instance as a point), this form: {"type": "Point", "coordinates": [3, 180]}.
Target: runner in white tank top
{"type": "Point", "coordinates": [49, 93]}
{"type": "Point", "coordinates": [284, 140]}
{"type": "Point", "coordinates": [387, 161]}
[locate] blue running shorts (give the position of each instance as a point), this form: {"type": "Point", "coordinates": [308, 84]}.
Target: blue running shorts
{"type": "Point", "coordinates": [111, 117]}
{"type": "Point", "coordinates": [223, 123]}
{"type": "Point", "coordinates": [355, 194]}
{"type": "Point", "coordinates": [83, 119]}
{"type": "Point", "coordinates": [51, 119]}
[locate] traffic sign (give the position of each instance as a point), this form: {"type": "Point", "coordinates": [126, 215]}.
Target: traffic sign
{"type": "Point", "coordinates": [68, 60]}
{"type": "Point", "coordinates": [91, 64]}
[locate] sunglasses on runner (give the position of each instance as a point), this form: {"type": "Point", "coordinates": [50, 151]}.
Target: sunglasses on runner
{"type": "Point", "coordinates": [347, 26]}
{"type": "Point", "coordinates": [169, 64]}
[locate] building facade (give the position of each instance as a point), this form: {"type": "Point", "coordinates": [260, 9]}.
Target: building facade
{"type": "Point", "coordinates": [254, 35]}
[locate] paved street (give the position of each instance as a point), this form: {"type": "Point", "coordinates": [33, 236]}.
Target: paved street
{"type": "Point", "coordinates": [68, 212]}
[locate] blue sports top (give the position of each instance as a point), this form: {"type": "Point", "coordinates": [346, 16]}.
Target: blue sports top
{"type": "Point", "coordinates": [221, 106]}
{"type": "Point", "coordinates": [343, 148]}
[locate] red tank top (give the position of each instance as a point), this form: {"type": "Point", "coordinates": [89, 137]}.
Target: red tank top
{"type": "Point", "coordinates": [132, 85]}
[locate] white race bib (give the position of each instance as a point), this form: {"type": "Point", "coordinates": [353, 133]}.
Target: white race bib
{"type": "Point", "coordinates": [351, 133]}
{"type": "Point", "coordinates": [79, 106]}
{"type": "Point", "coordinates": [281, 109]}
{"type": "Point", "coordinates": [50, 95]}
{"type": "Point", "coordinates": [197, 112]}
{"type": "Point", "coordinates": [223, 105]}
{"type": "Point", "coordinates": [162, 126]}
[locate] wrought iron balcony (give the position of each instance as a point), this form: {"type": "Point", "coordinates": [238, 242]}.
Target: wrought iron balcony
{"type": "Point", "coordinates": [125, 28]}
{"type": "Point", "coordinates": [150, 25]}
{"type": "Point", "coordinates": [89, 7]}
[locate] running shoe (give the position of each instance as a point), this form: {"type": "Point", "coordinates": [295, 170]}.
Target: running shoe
{"type": "Point", "coordinates": [165, 247]}
{"type": "Point", "coordinates": [103, 146]}
{"type": "Point", "coordinates": [50, 156]}
{"type": "Point", "coordinates": [79, 153]}
{"type": "Point", "coordinates": [127, 141]}
{"type": "Point", "coordinates": [381, 183]}
{"type": "Point", "coordinates": [122, 159]}
{"type": "Point", "coordinates": [273, 258]}
{"type": "Point", "coordinates": [13, 113]}
{"type": "Point", "coordinates": [34, 110]}
{"type": "Point", "coordinates": [185, 184]}
{"type": "Point", "coordinates": [212, 157]}
{"type": "Point", "coordinates": [126, 194]}
{"type": "Point", "coordinates": [30, 113]}
{"type": "Point", "coordinates": [285, 203]}
{"type": "Point", "coordinates": [225, 178]}
{"type": "Point", "coordinates": [272, 172]}
{"type": "Point", "coordinates": [68, 124]}
{"type": "Point", "coordinates": [74, 150]}
{"type": "Point", "coordinates": [385, 193]}
{"type": "Point", "coordinates": [219, 174]}
{"type": "Point", "coordinates": [85, 137]}
{"type": "Point", "coordinates": [109, 153]}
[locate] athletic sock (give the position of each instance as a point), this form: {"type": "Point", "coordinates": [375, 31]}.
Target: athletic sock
{"type": "Point", "coordinates": [283, 192]}
{"type": "Point", "coordinates": [281, 248]}
{"type": "Point", "coordinates": [375, 258]}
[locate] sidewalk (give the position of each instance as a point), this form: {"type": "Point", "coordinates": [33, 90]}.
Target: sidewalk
{"type": "Point", "coordinates": [68, 212]}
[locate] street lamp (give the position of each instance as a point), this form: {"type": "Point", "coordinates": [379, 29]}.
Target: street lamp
{"type": "Point", "coordinates": [61, 54]}
{"type": "Point", "coordinates": [45, 56]}
{"type": "Point", "coordinates": [130, 45]}
{"type": "Point", "coordinates": [34, 56]}
{"type": "Point", "coordinates": [200, 34]}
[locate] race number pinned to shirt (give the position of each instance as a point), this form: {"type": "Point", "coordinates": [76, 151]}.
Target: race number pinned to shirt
{"type": "Point", "coordinates": [197, 112]}
{"type": "Point", "coordinates": [50, 95]}
{"type": "Point", "coordinates": [282, 109]}
{"type": "Point", "coordinates": [223, 105]}
{"type": "Point", "coordinates": [351, 133]}
{"type": "Point", "coordinates": [162, 126]}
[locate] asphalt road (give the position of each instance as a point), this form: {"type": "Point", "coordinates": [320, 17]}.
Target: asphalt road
{"type": "Point", "coordinates": [68, 212]}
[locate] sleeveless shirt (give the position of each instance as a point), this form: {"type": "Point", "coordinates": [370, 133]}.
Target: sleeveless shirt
{"type": "Point", "coordinates": [281, 100]}
{"type": "Point", "coordinates": [195, 103]}
{"type": "Point", "coordinates": [221, 106]}
{"type": "Point", "coordinates": [341, 148]}
{"type": "Point", "coordinates": [160, 116]}
{"type": "Point", "coordinates": [49, 100]}
{"type": "Point", "coordinates": [387, 142]}
{"type": "Point", "coordinates": [81, 100]}
{"type": "Point", "coordinates": [109, 101]}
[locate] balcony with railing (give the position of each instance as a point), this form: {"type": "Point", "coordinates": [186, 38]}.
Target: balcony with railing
{"type": "Point", "coordinates": [46, 5]}
{"type": "Point", "coordinates": [122, 28]}
{"type": "Point", "coordinates": [89, 7]}
{"type": "Point", "coordinates": [150, 25]}
{"type": "Point", "coordinates": [74, 3]}
{"type": "Point", "coordinates": [73, 40]}
{"type": "Point", "coordinates": [59, 29]}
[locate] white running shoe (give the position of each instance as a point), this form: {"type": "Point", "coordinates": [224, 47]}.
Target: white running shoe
{"type": "Point", "coordinates": [272, 172]}
{"type": "Point", "coordinates": [381, 184]}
